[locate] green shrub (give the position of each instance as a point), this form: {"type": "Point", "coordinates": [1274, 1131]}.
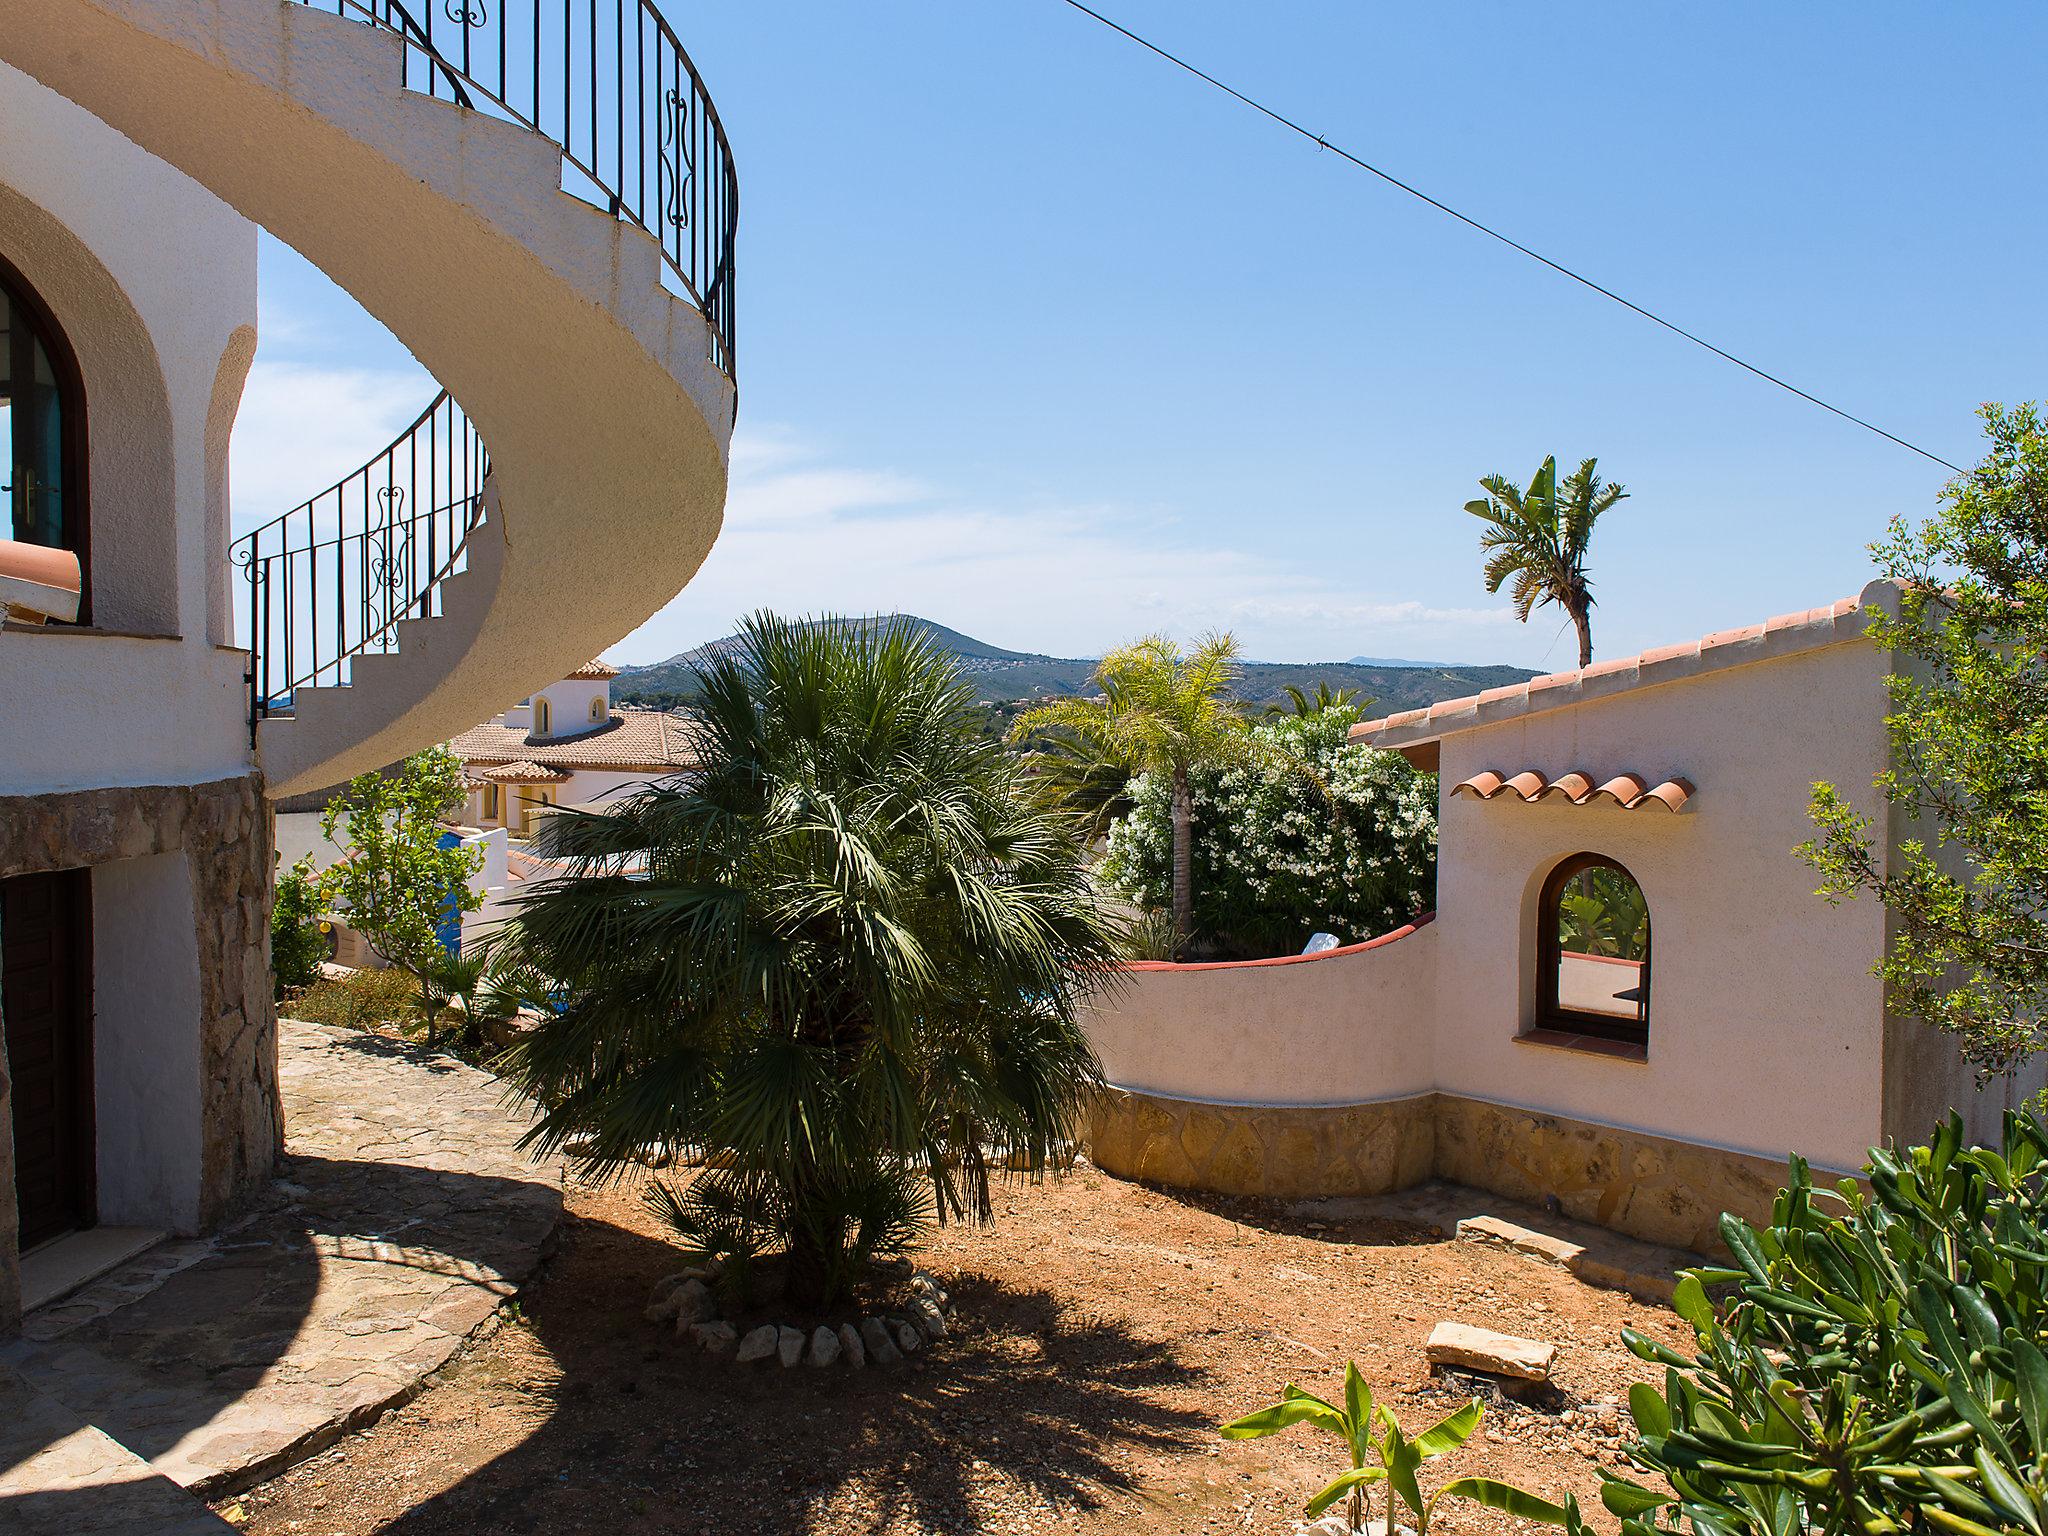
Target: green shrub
{"type": "Point", "coordinates": [1873, 1362]}
{"type": "Point", "coordinates": [1279, 855]}
{"type": "Point", "coordinates": [297, 946]}
{"type": "Point", "coordinates": [360, 1000]}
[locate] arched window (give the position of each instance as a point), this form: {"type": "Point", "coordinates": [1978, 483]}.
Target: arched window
{"type": "Point", "coordinates": [490, 802]}
{"type": "Point", "coordinates": [542, 717]}
{"type": "Point", "coordinates": [597, 710]}
{"type": "Point", "coordinates": [42, 430]}
{"type": "Point", "coordinates": [1593, 951]}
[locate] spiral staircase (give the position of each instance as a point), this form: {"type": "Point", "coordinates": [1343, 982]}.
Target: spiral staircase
{"type": "Point", "coordinates": [537, 198]}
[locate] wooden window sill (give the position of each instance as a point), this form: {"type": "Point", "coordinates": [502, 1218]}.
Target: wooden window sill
{"type": "Point", "coordinates": [1590, 1045]}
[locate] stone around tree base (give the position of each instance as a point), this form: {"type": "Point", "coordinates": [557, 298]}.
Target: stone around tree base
{"type": "Point", "coordinates": [757, 1345]}
{"type": "Point", "coordinates": [1497, 1354]}
{"type": "Point", "coordinates": [789, 1344]}
{"type": "Point", "coordinates": [852, 1346]}
{"type": "Point", "coordinates": [824, 1347]}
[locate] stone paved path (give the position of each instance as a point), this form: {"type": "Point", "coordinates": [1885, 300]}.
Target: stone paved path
{"type": "Point", "coordinates": [401, 1218]}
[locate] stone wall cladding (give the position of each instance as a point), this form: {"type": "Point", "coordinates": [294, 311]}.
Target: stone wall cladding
{"type": "Point", "coordinates": [224, 829]}
{"type": "Point", "coordinates": [1649, 1187]}
{"type": "Point", "coordinates": [1287, 1152]}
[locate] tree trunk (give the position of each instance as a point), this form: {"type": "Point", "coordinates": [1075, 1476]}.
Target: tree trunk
{"type": "Point", "coordinates": [1584, 623]}
{"type": "Point", "coordinates": [1183, 858]}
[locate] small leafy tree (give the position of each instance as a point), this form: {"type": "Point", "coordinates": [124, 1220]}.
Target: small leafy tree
{"type": "Point", "coordinates": [1969, 755]}
{"type": "Point", "coordinates": [296, 944]}
{"type": "Point", "coordinates": [1348, 846]}
{"type": "Point", "coordinates": [396, 882]}
{"type": "Point", "coordinates": [854, 965]}
{"type": "Point", "coordinates": [1301, 702]}
{"type": "Point", "coordinates": [1370, 1433]}
{"type": "Point", "coordinates": [1165, 714]}
{"type": "Point", "coordinates": [1539, 537]}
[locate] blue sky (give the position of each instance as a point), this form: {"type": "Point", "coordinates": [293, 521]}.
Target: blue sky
{"type": "Point", "coordinates": [1044, 340]}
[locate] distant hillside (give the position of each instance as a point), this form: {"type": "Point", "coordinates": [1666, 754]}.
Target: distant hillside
{"type": "Point", "coordinates": [1001, 676]}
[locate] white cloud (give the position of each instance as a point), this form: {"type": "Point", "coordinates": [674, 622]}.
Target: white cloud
{"type": "Point", "coordinates": [302, 427]}
{"type": "Point", "coordinates": [806, 536]}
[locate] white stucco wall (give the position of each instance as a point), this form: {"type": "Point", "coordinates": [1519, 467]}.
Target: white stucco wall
{"type": "Point", "coordinates": [570, 703]}
{"type": "Point", "coordinates": [146, 1067]}
{"type": "Point", "coordinates": [154, 283]}
{"type": "Point", "coordinates": [1766, 1026]}
{"type": "Point", "coordinates": [1346, 1027]}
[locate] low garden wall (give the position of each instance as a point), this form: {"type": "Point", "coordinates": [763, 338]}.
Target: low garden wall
{"type": "Point", "coordinates": [1314, 1076]}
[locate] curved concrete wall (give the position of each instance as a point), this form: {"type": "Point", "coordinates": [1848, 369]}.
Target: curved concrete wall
{"type": "Point", "coordinates": [1350, 1026]}
{"type": "Point", "coordinates": [153, 280]}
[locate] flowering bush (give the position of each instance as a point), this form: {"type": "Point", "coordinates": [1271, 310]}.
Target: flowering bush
{"type": "Point", "coordinates": [1279, 857]}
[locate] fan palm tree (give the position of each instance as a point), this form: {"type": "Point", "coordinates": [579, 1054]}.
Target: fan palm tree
{"type": "Point", "coordinates": [1539, 537]}
{"type": "Point", "coordinates": [1165, 713]}
{"type": "Point", "coordinates": [853, 964]}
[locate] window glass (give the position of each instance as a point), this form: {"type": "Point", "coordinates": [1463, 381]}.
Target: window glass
{"type": "Point", "coordinates": [1596, 949]}
{"type": "Point", "coordinates": [31, 428]}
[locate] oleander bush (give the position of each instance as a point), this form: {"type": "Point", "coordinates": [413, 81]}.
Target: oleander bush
{"type": "Point", "coordinates": [1320, 835]}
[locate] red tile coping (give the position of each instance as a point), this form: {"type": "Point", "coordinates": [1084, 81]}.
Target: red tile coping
{"type": "Point", "coordinates": [1245, 965]}
{"type": "Point", "coordinates": [1630, 791]}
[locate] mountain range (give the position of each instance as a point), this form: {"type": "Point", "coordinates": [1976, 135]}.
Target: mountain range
{"type": "Point", "coordinates": [1003, 676]}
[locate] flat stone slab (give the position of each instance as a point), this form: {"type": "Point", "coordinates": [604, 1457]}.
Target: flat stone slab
{"type": "Point", "coordinates": [402, 1217]}
{"type": "Point", "coordinates": [1497, 1354]}
{"type": "Point", "coordinates": [59, 1477]}
{"type": "Point", "coordinates": [1593, 1254]}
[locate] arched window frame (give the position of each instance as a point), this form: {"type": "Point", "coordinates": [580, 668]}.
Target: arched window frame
{"type": "Point", "coordinates": [490, 803]}
{"type": "Point", "coordinates": [597, 709]}
{"type": "Point", "coordinates": [71, 447]}
{"type": "Point", "coordinates": [543, 717]}
{"type": "Point", "coordinates": [1550, 1013]}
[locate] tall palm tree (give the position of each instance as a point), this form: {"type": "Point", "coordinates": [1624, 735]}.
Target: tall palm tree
{"type": "Point", "coordinates": [853, 964]}
{"type": "Point", "coordinates": [1165, 713]}
{"type": "Point", "coordinates": [1539, 537]}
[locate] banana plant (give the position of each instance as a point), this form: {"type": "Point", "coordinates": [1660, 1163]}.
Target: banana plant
{"type": "Point", "coordinates": [1381, 1451]}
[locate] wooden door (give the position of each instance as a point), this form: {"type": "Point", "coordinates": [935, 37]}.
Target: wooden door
{"type": "Point", "coordinates": [46, 1001]}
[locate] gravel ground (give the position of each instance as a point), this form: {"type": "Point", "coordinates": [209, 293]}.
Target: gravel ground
{"type": "Point", "coordinates": [1104, 1330]}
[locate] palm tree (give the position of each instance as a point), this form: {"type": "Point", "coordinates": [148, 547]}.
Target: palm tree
{"type": "Point", "coordinates": [1539, 537]}
{"type": "Point", "coordinates": [1160, 712]}
{"type": "Point", "coordinates": [1325, 697]}
{"type": "Point", "coordinates": [853, 965]}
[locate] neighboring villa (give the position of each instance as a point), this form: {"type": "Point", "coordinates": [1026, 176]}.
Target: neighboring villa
{"type": "Point", "coordinates": [566, 746]}
{"type": "Point", "coordinates": [1629, 1000]}
{"type": "Point", "coordinates": [163, 684]}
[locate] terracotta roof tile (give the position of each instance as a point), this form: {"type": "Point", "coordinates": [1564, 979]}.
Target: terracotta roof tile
{"type": "Point", "coordinates": [650, 739]}
{"type": "Point", "coordinates": [1626, 790]}
{"type": "Point", "coordinates": [1827, 625]}
{"type": "Point", "coordinates": [600, 671]}
{"type": "Point", "coordinates": [521, 773]}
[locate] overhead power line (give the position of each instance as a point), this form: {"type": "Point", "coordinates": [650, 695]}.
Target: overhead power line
{"type": "Point", "coordinates": [1485, 229]}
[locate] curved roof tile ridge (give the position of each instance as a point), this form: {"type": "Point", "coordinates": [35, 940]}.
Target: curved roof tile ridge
{"type": "Point", "coordinates": [1829, 624]}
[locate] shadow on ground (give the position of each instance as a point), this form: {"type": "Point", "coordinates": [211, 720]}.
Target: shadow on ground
{"type": "Point", "coordinates": [642, 1434]}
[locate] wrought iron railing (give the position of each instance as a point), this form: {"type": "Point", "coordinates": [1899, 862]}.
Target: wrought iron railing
{"type": "Point", "coordinates": [330, 580]}
{"type": "Point", "coordinates": [607, 81]}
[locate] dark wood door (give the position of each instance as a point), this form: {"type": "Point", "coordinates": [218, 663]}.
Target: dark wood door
{"type": "Point", "coordinates": [46, 1001]}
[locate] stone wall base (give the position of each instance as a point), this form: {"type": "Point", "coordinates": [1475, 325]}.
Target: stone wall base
{"type": "Point", "coordinates": [1649, 1187]}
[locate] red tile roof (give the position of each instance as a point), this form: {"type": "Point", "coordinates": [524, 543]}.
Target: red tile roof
{"type": "Point", "coordinates": [1627, 790]}
{"type": "Point", "coordinates": [522, 773]}
{"type": "Point", "coordinates": [628, 740]}
{"type": "Point", "coordinates": [1787, 633]}
{"type": "Point", "coordinates": [598, 671]}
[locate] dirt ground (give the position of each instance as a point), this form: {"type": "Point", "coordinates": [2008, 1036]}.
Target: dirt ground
{"type": "Point", "coordinates": [1104, 1331]}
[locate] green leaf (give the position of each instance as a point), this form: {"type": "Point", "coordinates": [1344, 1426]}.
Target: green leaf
{"type": "Point", "coordinates": [1357, 1477]}
{"type": "Point", "coordinates": [2030, 1368]}
{"type": "Point", "coordinates": [1621, 1497]}
{"type": "Point", "coordinates": [1647, 1407]}
{"type": "Point", "coordinates": [1689, 1301]}
{"type": "Point", "coordinates": [1358, 1410]}
{"type": "Point", "coordinates": [1506, 1497]}
{"type": "Point", "coordinates": [1296, 1408]}
{"type": "Point", "coordinates": [1451, 1431]}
